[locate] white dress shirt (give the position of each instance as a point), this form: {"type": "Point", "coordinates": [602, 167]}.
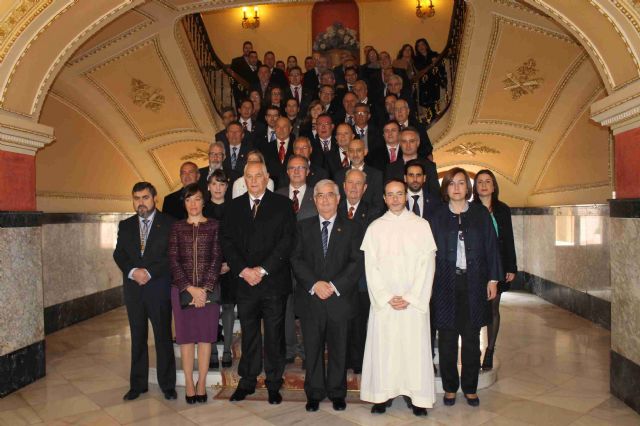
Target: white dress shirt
{"type": "Point", "coordinates": [331, 220]}
{"type": "Point", "coordinates": [140, 224]}
{"type": "Point", "coordinates": [300, 190]}
{"type": "Point", "coordinates": [249, 124]}
{"type": "Point", "coordinates": [411, 201]}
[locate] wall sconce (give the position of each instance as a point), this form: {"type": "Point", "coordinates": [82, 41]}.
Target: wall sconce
{"type": "Point", "coordinates": [431, 10]}
{"type": "Point", "coordinates": [250, 23]}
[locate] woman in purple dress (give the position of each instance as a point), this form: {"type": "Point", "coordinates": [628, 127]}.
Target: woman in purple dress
{"type": "Point", "coordinates": [195, 257]}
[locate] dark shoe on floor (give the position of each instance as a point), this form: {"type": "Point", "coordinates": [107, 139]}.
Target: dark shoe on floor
{"type": "Point", "coordinates": [474, 401]}
{"type": "Point", "coordinates": [190, 399]}
{"type": "Point", "coordinates": [202, 398]}
{"type": "Point", "coordinates": [240, 394]}
{"type": "Point", "coordinates": [419, 411]}
{"type": "Point", "coordinates": [339, 404]}
{"type": "Point", "coordinates": [170, 394]}
{"type": "Point", "coordinates": [407, 401]}
{"type": "Point", "coordinates": [133, 394]}
{"type": "Point", "coordinates": [227, 360]}
{"type": "Point", "coordinates": [312, 405]}
{"type": "Point", "coordinates": [380, 408]}
{"type": "Point", "coordinates": [449, 401]}
{"type": "Point", "coordinates": [275, 398]}
{"type": "Point", "coordinates": [487, 362]}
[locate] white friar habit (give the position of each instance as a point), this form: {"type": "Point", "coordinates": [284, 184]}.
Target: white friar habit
{"type": "Point", "coordinates": [399, 253]}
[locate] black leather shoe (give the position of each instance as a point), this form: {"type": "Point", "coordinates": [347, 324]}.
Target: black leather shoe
{"type": "Point", "coordinates": [339, 404]}
{"type": "Point", "coordinates": [275, 398]}
{"type": "Point", "coordinates": [190, 399]}
{"type": "Point", "coordinates": [449, 401]}
{"type": "Point", "coordinates": [202, 398]}
{"type": "Point", "coordinates": [487, 362]}
{"type": "Point", "coordinates": [170, 394]}
{"type": "Point", "coordinates": [227, 360]}
{"type": "Point", "coordinates": [380, 408]}
{"type": "Point", "coordinates": [419, 411]}
{"type": "Point", "coordinates": [407, 401]}
{"type": "Point", "coordinates": [312, 405]}
{"type": "Point", "coordinates": [474, 402]}
{"type": "Point", "coordinates": [240, 394]}
{"type": "Point", "coordinates": [133, 394]}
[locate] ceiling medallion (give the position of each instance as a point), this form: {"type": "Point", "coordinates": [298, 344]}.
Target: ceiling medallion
{"type": "Point", "coordinates": [523, 81]}
{"type": "Point", "coordinates": [472, 149]}
{"type": "Point", "coordinates": [199, 154]}
{"type": "Point", "coordinates": [145, 96]}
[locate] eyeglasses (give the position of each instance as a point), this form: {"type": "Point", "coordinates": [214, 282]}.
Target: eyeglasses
{"type": "Point", "coordinates": [298, 168]}
{"type": "Point", "coordinates": [325, 196]}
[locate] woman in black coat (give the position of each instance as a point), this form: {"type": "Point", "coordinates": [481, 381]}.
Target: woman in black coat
{"type": "Point", "coordinates": [486, 192]}
{"type": "Point", "coordinates": [218, 185]}
{"type": "Point", "coordinates": [467, 273]}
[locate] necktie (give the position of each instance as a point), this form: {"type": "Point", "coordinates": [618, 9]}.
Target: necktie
{"type": "Point", "coordinates": [393, 156]}
{"type": "Point", "coordinates": [362, 133]}
{"type": "Point", "coordinates": [254, 210]}
{"type": "Point", "coordinates": [350, 213]}
{"type": "Point", "coordinates": [416, 208]}
{"type": "Point", "coordinates": [296, 202]}
{"type": "Point", "coordinates": [144, 233]}
{"type": "Point", "coordinates": [296, 93]}
{"type": "Point", "coordinates": [325, 145]}
{"type": "Point", "coordinates": [272, 138]}
{"type": "Point", "coordinates": [345, 160]}
{"type": "Point", "coordinates": [234, 157]}
{"type": "Point", "coordinates": [245, 126]}
{"type": "Point", "coordinates": [325, 237]}
{"type": "Point", "coordinates": [350, 120]}
{"type": "Point", "coordinates": [350, 87]}
{"type": "Point", "coordinates": [281, 152]}
{"type": "Point", "coordinates": [402, 126]}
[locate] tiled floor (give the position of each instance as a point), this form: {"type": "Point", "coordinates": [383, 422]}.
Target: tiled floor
{"type": "Point", "coordinates": [554, 372]}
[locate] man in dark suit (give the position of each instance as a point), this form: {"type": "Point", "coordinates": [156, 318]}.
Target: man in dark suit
{"type": "Point", "coordinates": [301, 195]}
{"type": "Point", "coordinates": [390, 151]}
{"type": "Point", "coordinates": [276, 75]}
{"type": "Point", "coordinates": [403, 116]}
{"type": "Point", "coordinates": [326, 95]}
{"type": "Point", "coordinates": [365, 129]}
{"type": "Point", "coordinates": [258, 237]}
{"type": "Point", "coordinates": [251, 128]}
{"type": "Point", "coordinates": [324, 143]}
{"type": "Point", "coordinates": [327, 263]}
{"type": "Point", "coordinates": [236, 150]}
{"type": "Point", "coordinates": [278, 152]}
{"type": "Point", "coordinates": [311, 78]}
{"type": "Point", "coordinates": [292, 111]}
{"type": "Point", "coordinates": [409, 143]}
{"type": "Point", "coordinates": [263, 83]}
{"type": "Point", "coordinates": [361, 90]}
{"type": "Point", "coordinates": [302, 147]}
{"type": "Point", "coordinates": [338, 159]}
{"type": "Point", "coordinates": [295, 89]}
{"type": "Point", "coordinates": [373, 194]}
{"type": "Point", "coordinates": [353, 207]}
{"type": "Point", "coordinates": [242, 65]}
{"type": "Point", "coordinates": [216, 161]}
{"type": "Point", "coordinates": [173, 204]}
{"type": "Point", "coordinates": [228, 114]}
{"type": "Point", "coordinates": [141, 255]}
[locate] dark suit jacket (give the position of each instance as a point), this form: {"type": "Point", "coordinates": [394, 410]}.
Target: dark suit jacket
{"type": "Point", "coordinates": [373, 194]}
{"type": "Point", "coordinates": [379, 157]}
{"type": "Point", "coordinates": [231, 174]}
{"type": "Point", "coordinates": [307, 205]}
{"type": "Point", "coordinates": [277, 170]}
{"type": "Point", "coordinates": [241, 66]}
{"type": "Point", "coordinates": [373, 136]}
{"type": "Point", "coordinates": [241, 160]}
{"type": "Point", "coordinates": [396, 170]}
{"type": "Point", "coordinates": [265, 241]}
{"type": "Point", "coordinates": [278, 78]}
{"type": "Point", "coordinates": [502, 214]}
{"type": "Point", "coordinates": [315, 175]}
{"type": "Point", "coordinates": [311, 81]}
{"type": "Point", "coordinates": [425, 147]}
{"type": "Point", "coordinates": [173, 205]}
{"type": "Point", "coordinates": [431, 204]}
{"type": "Point", "coordinates": [155, 258]}
{"type": "Point", "coordinates": [332, 160]}
{"type": "Point", "coordinates": [306, 97]}
{"type": "Point", "coordinates": [343, 266]}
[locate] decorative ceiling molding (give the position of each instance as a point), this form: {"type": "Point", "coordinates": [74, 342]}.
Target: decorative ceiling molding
{"type": "Point", "coordinates": [22, 136]}
{"type": "Point", "coordinates": [620, 110]}
{"type": "Point", "coordinates": [17, 21]}
{"type": "Point", "coordinates": [523, 81]}
{"type": "Point", "coordinates": [629, 14]}
{"type": "Point", "coordinates": [558, 146]}
{"type": "Point", "coordinates": [154, 41]}
{"type": "Point", "coordinates": [471, 149]}
{"type": "Point", "coordinates": [83, 196]}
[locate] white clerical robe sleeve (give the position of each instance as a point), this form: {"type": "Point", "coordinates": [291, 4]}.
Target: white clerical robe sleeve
{"type": "Point", "coordinates": [379, 293]}
{"type": "Point", "coordinates": [419, 294]}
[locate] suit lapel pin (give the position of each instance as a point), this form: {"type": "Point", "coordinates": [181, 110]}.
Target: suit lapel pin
{"type": "Point", "coordinates": [339, 229]}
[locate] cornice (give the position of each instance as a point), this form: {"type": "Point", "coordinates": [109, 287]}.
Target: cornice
{"type": "Point", "coordinates": [620, 111]}
{"type": "Point", "coordinates": [23, 136]}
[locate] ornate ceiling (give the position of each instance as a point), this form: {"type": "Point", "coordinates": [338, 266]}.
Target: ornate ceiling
{"type": "Point", "coordinates": [121, 74]}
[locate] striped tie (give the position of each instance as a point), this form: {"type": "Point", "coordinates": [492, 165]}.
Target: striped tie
{"type": "Point", "coordinates": [325, 237]}
{"type": "Point", "coordinates": [144, 234]}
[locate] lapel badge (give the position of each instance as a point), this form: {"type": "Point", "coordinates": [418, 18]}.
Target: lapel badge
{"type": "Point", "coordinates": [339, 229]}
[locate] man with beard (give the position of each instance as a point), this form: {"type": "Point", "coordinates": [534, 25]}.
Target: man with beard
{"type": "Point", "coordinates": [141, 255]}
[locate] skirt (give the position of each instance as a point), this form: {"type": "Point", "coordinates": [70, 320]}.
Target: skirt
{"type": "Point", "coordinates": [194, 325]}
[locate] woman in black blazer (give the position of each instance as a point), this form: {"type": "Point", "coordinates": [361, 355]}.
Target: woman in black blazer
{"type": "Point", "coordinates": [486, 192]}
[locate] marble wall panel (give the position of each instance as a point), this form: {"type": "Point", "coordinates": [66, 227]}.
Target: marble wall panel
{"type": "Point", "coordinates": [77, 259]}
{"type": "Point", "coordinates": [625, 278]}
{"type": "Point", "coordinates": [21, 315]}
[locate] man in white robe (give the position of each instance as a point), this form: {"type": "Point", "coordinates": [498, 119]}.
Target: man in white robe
{"type": "Point", "coordinates": [400, 264]}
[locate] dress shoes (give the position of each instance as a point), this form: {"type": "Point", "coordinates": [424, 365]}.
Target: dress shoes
{"type": "Point", "coordinates": [449, 401]}
{"type": "Point", "coordinates": [170, 394]}
{"type": "Point", "coordinates": [191, 399]}
{"type": "Point", "coordinates": [419, 411]}
{"type": "Point", "coordinates": [240, 394]}
{"type": "Point", "coordinates": [133, 394]}
{"type": "Point", "coordinates": [381, 407]}
{"type": "Point", "coordinates": [339, 404]}
{"type": "Point", "coordinates": [275, 398]}
{"type": "Point", "coordinates": [474, 402]}
{"type": "Point", "coordinates": [202, 398]}
{"type": "Point", "coordinates": [312, 405]}
{"type": "Point", "coordinates": [227, 360]}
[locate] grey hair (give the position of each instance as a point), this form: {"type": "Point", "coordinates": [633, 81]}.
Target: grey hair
{"type": "Point", "coordinates": [349, 171]}
{"type": "Point", "coordinates": [262, 165]}
{"type": "Point", "coordinates": [219, 145]}
{"type": "Point", "coordinates": [323, 182]}
{"type": "Point", "coordinates": [395, 77]}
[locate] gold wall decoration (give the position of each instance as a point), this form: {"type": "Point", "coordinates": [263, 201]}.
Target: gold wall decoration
{"type": "Point", "coordinates": [199, 154]}
{"type": "Point", "coordinates": [523, 81]}
{"type": "Point", "coordinates": [472, 149]}
{"type": "Point", "coordinates": [146, 96]}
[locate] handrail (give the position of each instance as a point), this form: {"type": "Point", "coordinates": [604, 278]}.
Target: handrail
{"type": "Point", "coordinates": [429, 83]}
{"type": "Point", "coordinates": [222, 82]}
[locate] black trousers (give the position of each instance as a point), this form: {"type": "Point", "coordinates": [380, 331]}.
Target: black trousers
{"type": "Point", "coordinates": [320, 329]}
{"type": "Point", "coordinates": [448, 346]}
{"type": "Point", "coordinates": [358, 331]}
{"type": "Point", "coordinates": [141, 311]}
{"type": "Point", "coordinates": [251, 312]}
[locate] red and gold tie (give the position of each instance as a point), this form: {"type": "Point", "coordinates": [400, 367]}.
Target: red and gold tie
{"type": "Point", "coordinates": [345, 160]}
{"type": "Point", "coordinates": [350, 213]}
{"type": "Point", "coordinates": [281, 152]}
{"type": "Point", "coordinates": [296, 202]}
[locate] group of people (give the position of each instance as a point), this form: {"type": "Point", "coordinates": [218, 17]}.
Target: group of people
{"type": "Point", "coordinates": [341, 227]}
